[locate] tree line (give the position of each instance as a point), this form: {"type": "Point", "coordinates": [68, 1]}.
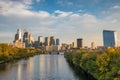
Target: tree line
{"type": "Point", "coordinates": [8, 53]}
{"type": "Point", "coordinates": [102, 65]}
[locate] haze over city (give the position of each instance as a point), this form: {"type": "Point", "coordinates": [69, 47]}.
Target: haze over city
{"type": "Point", "coordinates": [65, 19]}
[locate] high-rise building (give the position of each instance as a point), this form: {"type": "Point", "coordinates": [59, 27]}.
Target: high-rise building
{"type": "Point", "coordinates": [52, 40]}
{"type": "Point", "coordinates": [57, 41]}
{"type": "Point", "coordinates": [93, 45]}
{"type": "Point", "coordinates": [109, 38]}
{"type": "Point", "coordinates": [74, 45]}
{"type": "Point", "coordinates": [47, 41]}
{"type": "Point", "coordinates": [31, 39]}
{"type": "Point", "coordinates": [80, 43]}
{"type": "Point", "coordinates": [17, 41]}
{"type": "Point", "coordinates": [26, 38]}
{"type": "Point", "coordinates": [18, 35]}
{"type": "Point", "coordinates": [40, 40]}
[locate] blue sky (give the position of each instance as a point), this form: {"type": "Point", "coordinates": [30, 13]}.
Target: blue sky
{"type": "Point", "coordinates": [89, 6]}
{"type": "Point", "coordinates": [64, 19]}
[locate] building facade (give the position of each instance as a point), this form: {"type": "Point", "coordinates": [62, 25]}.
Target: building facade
{"type": "Point", "coordinates": [47, 41]}
{"type": "Point", "coordinates": [52, 40]}
{"type": "Point", "coordinates": [40, 40]}
{"type": "Point", "coordinates": [80, 43]}
{"type": "Point", "coordinates": [93, 45]}
{"type": "Point", "coordinates": [17, 41]}
{"type": "Point", "coordinates": [57, 41]}
{"type": "Point", "coordinates": [109, 38]}
{"type": "Point", "coordinates": [28, 39]}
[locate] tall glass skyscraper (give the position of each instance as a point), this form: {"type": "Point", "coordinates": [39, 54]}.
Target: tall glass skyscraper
{"type": "Point", "coordinates": [57, 41]}
{"type": "Point", "coordinates": [109, 38]}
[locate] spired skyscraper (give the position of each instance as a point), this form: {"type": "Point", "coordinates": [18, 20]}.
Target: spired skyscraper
{"type": "Point", "coordinates": [18, 35]}
{"type": "Point", "coordinates": [109, 38]}
{"type": "Point", "coordinates": [17, 41]}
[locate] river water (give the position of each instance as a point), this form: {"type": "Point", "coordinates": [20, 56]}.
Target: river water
{"type": "Point", "coordinates": [39, 67]}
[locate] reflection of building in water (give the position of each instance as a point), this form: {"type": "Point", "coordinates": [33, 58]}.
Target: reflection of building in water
{"type": "Point", "coordinates": [19, 72]}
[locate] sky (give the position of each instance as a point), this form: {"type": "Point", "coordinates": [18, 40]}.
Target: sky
{"type": "Point", "coordinates": [63, 19]}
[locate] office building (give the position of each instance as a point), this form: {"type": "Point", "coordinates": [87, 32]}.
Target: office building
{"type": "Point", "coordinates": [18, 35]}
{"type": "Point", "coordinates": [80, 43]}
{"type": "Point", "coordinates": [28, 39]}
{"type": "Point", "coordinates": [47, 41]}
{"type": "Point", "coordinates": [17, 41]}
{"type": "Point", "coordinates": [40, 40]}
{"type": "Point", "coordinates": [52, 40]}
{"type": "Point", "coordinates": [31, 39]}
{"type": "Point", "coordinates": [109, 38]}
{"type": "Point", "coordinates": [93, 45]}
{"type": "Point", "coordinates": [57, 41]}
{"type": "Point", "coordinates": [74, 45]}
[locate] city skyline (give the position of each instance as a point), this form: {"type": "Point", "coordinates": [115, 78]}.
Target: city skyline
{"type": "Point", "coordinates": [74, 19]}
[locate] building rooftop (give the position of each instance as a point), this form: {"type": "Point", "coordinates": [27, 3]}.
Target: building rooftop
{"type": "Point", "coordinates": [109, 31]}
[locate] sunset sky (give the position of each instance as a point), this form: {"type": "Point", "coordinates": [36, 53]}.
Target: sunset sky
{"type": "Point", "coordinates": [64, 19]}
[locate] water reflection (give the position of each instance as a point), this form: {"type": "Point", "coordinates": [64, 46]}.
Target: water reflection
{"type": "Point", "coordinates": [40, 67]}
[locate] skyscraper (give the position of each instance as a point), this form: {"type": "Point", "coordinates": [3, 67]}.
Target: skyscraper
{"type": "Point", "coordinates": [109, 38]}
{"type": "Point", "coordinates": [57, 41]}
{"type": "Point", "coordinates": [17, 41]}
{"type": "Point", "coordinates": [31, 39]}
{"type": "Point", "coordinates": [18, 35]}
{"type": "Point", "coordinates": [93, 45]}
{"type": "Point", "coordinates": [80, 43]}
{"type": "Point", "coordinates": [52, 40]}
{"type": "Point", "coordinates": [47, 41]}
{"type": "Point", "coordinates": [26, 38]}
{"type": "Point", "coordinates": [40, 40]}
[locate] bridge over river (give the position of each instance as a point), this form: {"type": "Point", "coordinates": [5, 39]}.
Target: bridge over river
{"type": "Point", "coordinates": [39, 67]}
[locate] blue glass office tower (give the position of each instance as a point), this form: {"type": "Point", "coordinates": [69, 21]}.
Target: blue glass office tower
{"type": "Point", "coordinates": [109, 38]}
{"type": "Point", "coordinates": [57, 41]}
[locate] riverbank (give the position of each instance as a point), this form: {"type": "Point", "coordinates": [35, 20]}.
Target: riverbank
{"type": "Point", "coordinates": [8, 53]}
{"type": "Point", "coordinates": [102, 65]}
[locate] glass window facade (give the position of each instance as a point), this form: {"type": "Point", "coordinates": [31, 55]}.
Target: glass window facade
{"type": "Point", "coordinates": [109, 38]}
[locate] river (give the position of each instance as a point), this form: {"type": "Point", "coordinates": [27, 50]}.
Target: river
{"type": "Point", "coordinates": [39, 67]}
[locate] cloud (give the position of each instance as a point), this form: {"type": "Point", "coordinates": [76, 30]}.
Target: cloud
{"type": "Point", "coordinates": [116, 7]}
{"type": "Point", "coordinates": [62, 13]}
{"type": "Point", "coordinates": [65, 25]}
{"type": "Point", "coordinates": [65, 3]}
